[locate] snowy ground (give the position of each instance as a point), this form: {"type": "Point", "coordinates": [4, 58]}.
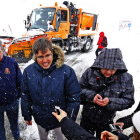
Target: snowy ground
{"type": "Point", "coordinates": [110, 13]}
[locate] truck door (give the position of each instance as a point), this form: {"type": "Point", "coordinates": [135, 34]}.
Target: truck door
{"type": "Point", "coordinates": [64, 24]}
{"type": "Point", "coordinates": [58, 20]}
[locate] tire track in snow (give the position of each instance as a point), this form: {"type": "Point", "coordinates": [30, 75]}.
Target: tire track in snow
{"type": "Point", "coordinates": [70, 62]}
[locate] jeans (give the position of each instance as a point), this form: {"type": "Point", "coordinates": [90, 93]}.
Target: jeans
{"type": "Point", "coordinates": [97, 51]}
{"type": "Point", "coordinates": [44, 135]}
{"type": "Point", "coordinates": [12, 111]}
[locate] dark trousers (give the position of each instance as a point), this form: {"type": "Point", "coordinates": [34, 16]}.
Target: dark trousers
{"type": "Point", "coordinates": [93, 127]}
{"type": "Point", "coordinates": [12, 114]}
{"type": "Point", "coordinates": [97, 51]}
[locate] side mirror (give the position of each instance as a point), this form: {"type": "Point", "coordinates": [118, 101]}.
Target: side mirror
{"type": "Point", "coordinates": [27, 26]}
{"type": "Point", "coordinates": [58, 19]}
{"type": "Point", "coordinates": [24, 21]}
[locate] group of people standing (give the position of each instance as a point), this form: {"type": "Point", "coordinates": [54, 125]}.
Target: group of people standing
{"type": "Point", "coordinates": [104, 88]}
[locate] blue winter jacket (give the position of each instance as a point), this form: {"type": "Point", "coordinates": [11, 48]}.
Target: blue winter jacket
{"type": "Point", "coordinates": [45, 89]}
{"type": "Point", "coordinates": [10, 81]}
{"type": "Point", "coordinates": [118, 88]}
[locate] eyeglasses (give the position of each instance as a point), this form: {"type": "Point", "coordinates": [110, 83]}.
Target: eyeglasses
{"type": "Point", "coordinates": [112, 70]}
{"type": "Point", "coordinates": [46, 56]}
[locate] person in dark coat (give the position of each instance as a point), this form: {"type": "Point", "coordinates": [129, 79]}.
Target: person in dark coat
{"type": "Point", "coordinates": [73, 131]}
{"type": "Point", "coordinates": [106, 87]}
{"type": "Point", "coordinates": [127, 120]}
{"type": "Point", "coordinates": [47, 83]}
{"type": "Point", "coordinates": [10, 82]}
{"type": "Point", "coordinates": [120, 136]}
{"type": "Point", "coordinates": [102, 43]}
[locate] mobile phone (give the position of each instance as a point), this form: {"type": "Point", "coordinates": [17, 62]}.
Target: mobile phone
{"type": "Point", "coordinates": [115, 127]}
{"type": "Point", "coordinates": [57, 110]}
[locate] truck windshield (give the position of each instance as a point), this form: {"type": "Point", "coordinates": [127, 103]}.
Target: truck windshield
{"type": "Point", "coordinates": [41, 18]}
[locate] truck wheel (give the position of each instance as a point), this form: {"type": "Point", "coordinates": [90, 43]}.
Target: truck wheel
{"type": "Point", "coordinates": [87, 45]}
{"type": "Point", "coordinates": [69, 47]}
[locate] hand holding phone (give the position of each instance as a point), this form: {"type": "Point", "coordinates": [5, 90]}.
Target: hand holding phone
{"type": "Point", "coordinates": [61, 115]}
{"type": "Point", "coordinates": [105, 135]}
{"type": "Point", "coordinates": [115, 127]}
{"type": "Point", "coordinates": [97, 96]}
{"type": "Point", "coordinates": [57, 110]}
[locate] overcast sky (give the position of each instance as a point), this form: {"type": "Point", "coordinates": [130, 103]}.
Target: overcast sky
{"type": "Point", "coordinates": [13, 12]}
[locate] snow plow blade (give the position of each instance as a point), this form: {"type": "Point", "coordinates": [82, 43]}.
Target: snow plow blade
{"type": "Point", "coordinates": [21, 48]}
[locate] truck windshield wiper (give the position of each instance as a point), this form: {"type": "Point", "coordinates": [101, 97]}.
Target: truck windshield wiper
{"type": "Point", "coordinates": [40, 29]}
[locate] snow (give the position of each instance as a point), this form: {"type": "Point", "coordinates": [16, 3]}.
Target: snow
{"type": "Point", "coordinates": [86, 32]}
{"type": "Point", "coordinates": [110, 14]}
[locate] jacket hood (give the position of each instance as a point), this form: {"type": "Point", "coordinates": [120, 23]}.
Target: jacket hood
{"type": "Point", "coordinates": [101, 34]}
{"type": "Point", "coordinates": [58, 56]}
{"type": "Point", "coordinates": [110, 59]}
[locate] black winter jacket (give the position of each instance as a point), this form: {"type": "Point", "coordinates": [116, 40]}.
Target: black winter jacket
{"type": "Point", "coordinates": [118, 88]}
{"type": "Point", "coordinates": [73, 131]}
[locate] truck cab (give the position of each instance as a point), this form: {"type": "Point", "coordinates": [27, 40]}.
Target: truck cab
{"type": "Point", "coordinates": [53, 21]}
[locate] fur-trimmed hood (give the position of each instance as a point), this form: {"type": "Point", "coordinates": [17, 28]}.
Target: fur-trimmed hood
{"type": "Point", "coordinates": [58, 56]}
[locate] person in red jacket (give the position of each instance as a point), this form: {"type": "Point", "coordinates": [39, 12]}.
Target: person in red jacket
{"type": "Point", "coordinates": [102, 43]}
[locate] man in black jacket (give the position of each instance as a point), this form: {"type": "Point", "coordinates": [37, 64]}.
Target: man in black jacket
{"type": "Point", "coordinates": [73, 131]}
{"type": "Point", "coordinates": [106, 87]}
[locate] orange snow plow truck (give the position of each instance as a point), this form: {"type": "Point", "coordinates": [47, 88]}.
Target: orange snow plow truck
{"type": "Point", "coordinates": [65, 26]}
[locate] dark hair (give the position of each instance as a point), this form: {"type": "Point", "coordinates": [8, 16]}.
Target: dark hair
{"type": "Point", "coordinates": [136, 134]}
{"type": "Point", "coordinates": [42, 44]}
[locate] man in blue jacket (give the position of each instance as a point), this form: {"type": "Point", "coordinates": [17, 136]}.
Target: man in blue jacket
{"type": "Point", "coordinates": [10, 82]}
{"type": "Point", "coordinates": [47, 83]}
{"type": "Point", "coordinates": [106, 87]}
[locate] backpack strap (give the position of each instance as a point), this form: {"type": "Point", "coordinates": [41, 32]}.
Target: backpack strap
{"type": "Point", "coordinates": [104, 42]}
